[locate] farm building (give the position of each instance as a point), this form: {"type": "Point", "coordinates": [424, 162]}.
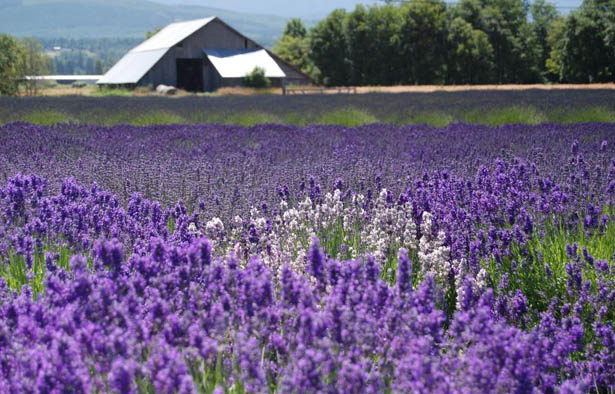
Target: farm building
{"type": "Point", "coordinates": [199, 55]}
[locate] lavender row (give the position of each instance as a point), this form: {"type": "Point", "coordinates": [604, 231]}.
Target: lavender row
{"type": "Point", "coordinates": [230, 169]}
{"type": "Point", "coordinates": [382, 105]}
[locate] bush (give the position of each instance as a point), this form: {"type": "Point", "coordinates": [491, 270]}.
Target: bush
{"type": "Point", "coordinates": [256, 79]}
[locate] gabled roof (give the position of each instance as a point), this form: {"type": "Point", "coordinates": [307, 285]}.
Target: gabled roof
{"type": "Point", "coordinates": [172, 35]}
{"type": "Point", "coordinates": [236, 63]}
{"type": "Point", "coordinates": [139, 60]}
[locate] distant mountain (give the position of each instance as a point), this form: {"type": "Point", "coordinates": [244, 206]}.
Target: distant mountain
{"type": "Point", "coordinates": [311, 9]}
{"type": "Point", "coordinates": [305, 9]}
{"type": "Point", "coordinates": [121, 18]}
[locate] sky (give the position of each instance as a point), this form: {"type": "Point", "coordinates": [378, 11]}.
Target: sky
{"type": "Point", "coordinates": [306, 8]}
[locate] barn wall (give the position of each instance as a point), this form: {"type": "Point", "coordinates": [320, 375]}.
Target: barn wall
{"type": "Point", "coordinates": [164, 72]}
{"type": "Point", "coordinates": [217, 35]}
{"type": "Point", "coordinates": [237, 82]}
{"type": "Point", "coordinates": [214, 35]}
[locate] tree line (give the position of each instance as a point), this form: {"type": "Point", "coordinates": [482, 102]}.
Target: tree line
{"type": "Point", "coordinates": [86, 55]}
{"type": "Point", "coordinates": [469, 42]}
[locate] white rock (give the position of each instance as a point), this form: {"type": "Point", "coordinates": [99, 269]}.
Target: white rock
{"type": "Point", "coordinates": [166, 90]}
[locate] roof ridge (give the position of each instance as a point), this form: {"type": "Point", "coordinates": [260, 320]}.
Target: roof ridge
{"type": "Point", "coordinates": [164, 38]}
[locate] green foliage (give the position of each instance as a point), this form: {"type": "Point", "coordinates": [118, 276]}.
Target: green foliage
{"type": "Point", "coordinates": [587, 114]}
{"type": "Point", "coordinates": [345, 116]}
{"type": "Point", "coordinates": [150, 34]}
{"type": "Point", "coordinates": [241, 118]}
{"type": "Point", "coordinates": [374, 45]}
{"type": "Point", "coordinates": [295, 50]}
{"type": "Point", "coordinates": [295, 28]}
{"type": "Point", "coordinates": [103, 91]}
{"type": "Point", "coordinates": [582, 44]}
{"type": "Point", "coordinates": [349, 117]}
{"type": "Point", "coordinates": [11, 65]}
{"type": "Point", "coordinates": [328, 49]}
{"type": "Point", "coordinates": [250, 118]}
{"type": "Point", "coordinates": [423, 42]}
{"type": "Point", "coordinates": [470, 54]}
{"type": "Point", "coordinates": [18, 59]}
{"type": "Point", "coordinates": [539, 283]}
{"type": "Point", "coordinates": [544, 15]}
{"type": "Point", "coordinates": [34, 62]}
{"type": "Point", "coordinates": [555, 39]}
{"type": "Point", "coordinates": [504, 22]}
{"type": "Point", "coordinates": [47, 117]}
{"type": "Point", "coordinates": [256, 79]}
{"type": "Point", "coordinates": [156, 118]}
{"type": "Point", "coordinates": [16, 274]}
{"type": "Point", "coordinates": [502, 116]}
{"type": "Point", "coordinates": [437, 119]}
{"type": "Point", "coordinates": [474, 41]}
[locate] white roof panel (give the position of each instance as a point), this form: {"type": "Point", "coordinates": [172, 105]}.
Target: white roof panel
{"type": "Point", "coordinates": [136, 63]}
{"type": "Point", "coordinates": [132, 67]}
{"type": "Point", "coordinates": [236, 63]}
{"type": "Point", "coordinates": [172, 35]}
{"type": "Point", "coordinates": [63, 77]}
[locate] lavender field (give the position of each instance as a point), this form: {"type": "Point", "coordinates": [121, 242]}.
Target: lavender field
{"type": "Point", "coordinates": [319, 258]}
{"type": "Point", "coordinates": [493, 107]}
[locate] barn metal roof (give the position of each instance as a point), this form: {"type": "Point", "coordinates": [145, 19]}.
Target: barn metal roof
{"type": "Point", "coordinates": [172, 35]}
{"type": "Point", "coordinates": [92, 78]}
{"type": "Point", "coordinates": [236, 63]}
{"type": "Point", "coordinates": [139, 60]}
{"type": "Point", "coordinates": [132, 67]}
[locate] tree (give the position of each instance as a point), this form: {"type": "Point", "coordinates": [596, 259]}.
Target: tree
{"type": "Point", "coordinates": [294, 47]}
{"type": "Point", "coordinates": [295, 28]}
{"type": "Point", "coordinates": [98, 67]}
{"type": "Point", "coordinates": [423, 41]}
{"type": "Point", "coordinates": [11, 72]}
{"type": "Point", "coordinates": [329, 49]}
{"type": "Point", "coordinates": [384, 64]}
{"type": "Point", "coordinates": [33, 63]}
{"type": "Point", "coordinates": [582, 44]}
{"type": "Point", "coordinates": [470, 55]}
{"type": "Point", "coordinates": [544, 14]}
{"type": "Point", "coordinates": [504, 23]}
{"type": "Point", "coordinates": [358, 36]}
{"type": "Point", "coordinates": [296, 52]}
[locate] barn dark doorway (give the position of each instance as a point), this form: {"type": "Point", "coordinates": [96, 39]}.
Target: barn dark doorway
{"type": "Point", "coordinates": [190, 74]}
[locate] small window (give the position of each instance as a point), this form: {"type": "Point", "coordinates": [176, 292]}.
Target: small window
{"type": "Point", "coordinates": [180, 45]}
{"type": "Point", "coordinates": [246, 43]}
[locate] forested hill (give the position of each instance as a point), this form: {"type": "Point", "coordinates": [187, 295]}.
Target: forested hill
{"type": "Point", "coordinates": [119, 18]}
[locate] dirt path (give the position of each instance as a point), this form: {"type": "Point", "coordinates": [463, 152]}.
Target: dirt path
{"type": "Point", "coordinates": [459, 88]}
{"type": "Point", "coordinates": [89, 90]}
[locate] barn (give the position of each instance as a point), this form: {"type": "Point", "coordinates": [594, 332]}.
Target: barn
{"type": "Point", "coordinates": [199, 55]}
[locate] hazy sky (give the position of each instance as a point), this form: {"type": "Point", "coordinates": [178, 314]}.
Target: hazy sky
{"type": "Point", "coordinates": [305, 8]}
